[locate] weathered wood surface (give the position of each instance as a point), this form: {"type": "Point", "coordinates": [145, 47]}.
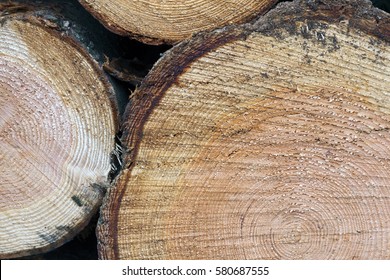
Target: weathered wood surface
{"type": "Point", "coordinates": [58, 121]}
{"type": "Point", "coordinates": [265, 141]}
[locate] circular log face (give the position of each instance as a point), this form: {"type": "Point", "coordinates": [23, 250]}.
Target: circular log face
{"type": "Point", "coordinates": [172, 20]}
{"type": "Point", "coordinates": [57, 129]}
{"type": "Point", "coordinates": [267, 142]}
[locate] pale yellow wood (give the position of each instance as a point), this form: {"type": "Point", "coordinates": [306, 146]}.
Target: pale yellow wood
{"type": "Point", "coordinates": [270, 141]}
{"type": "Point", "coordinates": [170, 21]}
{"type": "Point", "coordinates": [57, 127]}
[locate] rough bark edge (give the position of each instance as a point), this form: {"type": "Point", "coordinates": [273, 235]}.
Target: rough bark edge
{"type": "Point", "coordinates": [26, 13]}
{"type": "Point", "coordinates": [360, 13]}
{"type": "Point", "coordinates": [115, 28]}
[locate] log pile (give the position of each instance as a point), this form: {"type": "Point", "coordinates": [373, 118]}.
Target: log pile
{"type": "Point", "coordinates": [267, 139]}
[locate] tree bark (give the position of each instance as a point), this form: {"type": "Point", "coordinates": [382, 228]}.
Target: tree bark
{"type": "Point", "coordinates": [264, 141]}
{"type": "Point", "coordinates": [58, 123]}
{"type": "Point", "coordinates": [157, 22]}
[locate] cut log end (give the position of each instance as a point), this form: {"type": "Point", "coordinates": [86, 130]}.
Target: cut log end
{"type": "Point", "coordinates": [261, 148]}
{"type": "Point", "coordinates": [157, 22]}
{"type": "Point", "coordinates": [58, 124]}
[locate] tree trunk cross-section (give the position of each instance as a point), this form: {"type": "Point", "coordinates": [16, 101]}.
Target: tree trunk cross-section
{"type": "Point", "coordinates": [170, 21]}
{"type": "Point", "coordinates": [265, 141]}
{"type": "Point", "coordinates": [57, 128]}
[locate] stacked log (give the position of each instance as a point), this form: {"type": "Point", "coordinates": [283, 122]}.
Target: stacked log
{"type": "Point", "coordinates": [58, 123]}
{"type": "Point", "coordinates": [157, 22]}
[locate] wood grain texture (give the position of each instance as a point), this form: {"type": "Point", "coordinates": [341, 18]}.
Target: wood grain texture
{"type": "Point", "coordinates": [57, 128]}
{"type": "Point", "coordinates": [265, 141]}
{"type": "Point", "coordinates": [170, 21]}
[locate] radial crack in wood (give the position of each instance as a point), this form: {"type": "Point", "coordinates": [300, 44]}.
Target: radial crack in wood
{"type": "Point", "coordinates": [156, 22]}
{"type": "Point", "coordinates": [57, 128]}
{"type": "Point", "coordinates": [266, 141]}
